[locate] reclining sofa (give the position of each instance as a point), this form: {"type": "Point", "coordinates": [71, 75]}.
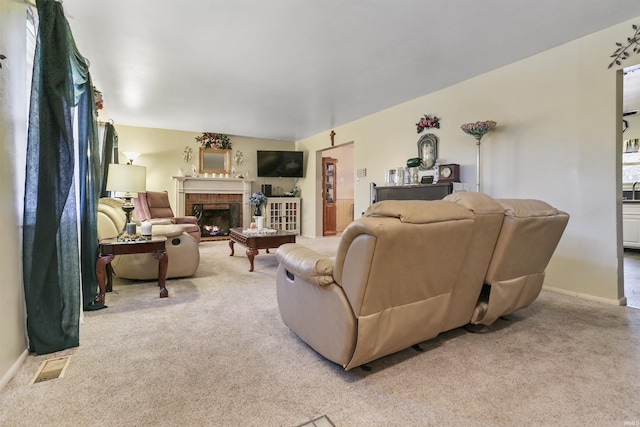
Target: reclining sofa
{"type": "Point", "coordinates": [154, 206]}
{"type": "Point", "coordinates": [408, 270]}
{"type": "Point", "coordinates": [182, 249]}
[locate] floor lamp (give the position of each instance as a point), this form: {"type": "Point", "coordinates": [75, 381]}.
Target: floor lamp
{"type": "Point", "coordinates": [127, 179]}
{"type": "Point", "coordinates": [478, 130]}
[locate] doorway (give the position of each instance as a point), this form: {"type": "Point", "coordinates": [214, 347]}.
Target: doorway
{"type": "Point", "coordinates": [344, 185]}
{"type": "Point", "coordinates": [630, 175]}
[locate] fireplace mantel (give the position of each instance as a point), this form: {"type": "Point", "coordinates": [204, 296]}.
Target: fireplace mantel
{"type": "Point", "coordinates": [198, 185]}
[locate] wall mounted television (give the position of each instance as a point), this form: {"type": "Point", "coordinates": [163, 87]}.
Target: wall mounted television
{"type": "Point", "coordinates": [280, 164]}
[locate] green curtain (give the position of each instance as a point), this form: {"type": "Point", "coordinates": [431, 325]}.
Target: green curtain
{"type": "Point", "coordinates": [109, 155]}
{"type": "Point", "coordinates": [52, 255]}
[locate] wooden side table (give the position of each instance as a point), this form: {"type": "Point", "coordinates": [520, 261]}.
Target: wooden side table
{"type": "Point", "coordinates": [109, 248]}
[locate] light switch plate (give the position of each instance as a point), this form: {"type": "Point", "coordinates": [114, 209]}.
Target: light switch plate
{"type": "Point", "coordinates": [362, 173]}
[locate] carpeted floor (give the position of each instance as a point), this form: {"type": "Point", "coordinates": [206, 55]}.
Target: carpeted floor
{"type": "Point", "coordinates": [216, 353]}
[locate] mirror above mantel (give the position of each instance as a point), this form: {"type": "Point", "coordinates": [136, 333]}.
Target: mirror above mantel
{"type": "Point", "coordinates": [215, 160]}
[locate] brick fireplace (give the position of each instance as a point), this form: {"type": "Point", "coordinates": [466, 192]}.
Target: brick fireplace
{"type": "Point", "coordinates": [225, 199]}
{"type": "Point", "coordinates": [216, 213]}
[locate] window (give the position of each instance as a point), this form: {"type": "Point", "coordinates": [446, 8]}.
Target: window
{"type": "Point", "coordinates": [630, 161]}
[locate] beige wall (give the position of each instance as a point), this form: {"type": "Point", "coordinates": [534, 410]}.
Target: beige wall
{"type": "Point", "coordinates": [13, 342]}
{"type": "Point", "coordinates": [557, 140]}
{"type": "Point", "coordinates": [161, 152]}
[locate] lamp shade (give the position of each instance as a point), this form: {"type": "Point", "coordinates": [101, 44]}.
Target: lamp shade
{"type": "Point", "coordinates": [131, 155]}
{"type": "Point", "coordinates": [127, 178]}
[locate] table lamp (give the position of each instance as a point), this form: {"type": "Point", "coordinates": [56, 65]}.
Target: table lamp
{"type": "Point", "coordinates": [127, 179]}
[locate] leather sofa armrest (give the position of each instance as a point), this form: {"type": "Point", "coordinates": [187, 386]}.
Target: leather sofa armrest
{"type": "Point", "coordinates": [160, 221]}
{"type": "Point", "coordinates": [306, 264]}
{"type": "Point", "coordinates": [186, 220]}
{"type": "Point", "coordinates": [168, 231]}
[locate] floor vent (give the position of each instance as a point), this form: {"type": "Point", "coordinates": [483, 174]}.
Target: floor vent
{"type": "Point", "coordinates": [323, 421]}
{"type": "Point", "coordinates": [51, 369]}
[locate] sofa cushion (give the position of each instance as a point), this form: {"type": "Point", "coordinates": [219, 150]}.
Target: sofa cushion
{"type": "Point", "coordinates": [527, 208]}
{"type": "Point", "coordinates": [158, 202]}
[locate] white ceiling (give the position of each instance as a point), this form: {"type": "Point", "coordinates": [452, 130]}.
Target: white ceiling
{"type": "Point", "coordinates": [288, 69]}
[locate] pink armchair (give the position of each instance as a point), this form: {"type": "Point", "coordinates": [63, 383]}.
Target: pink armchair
{"type": "Point", "coordinates": [154, 205]}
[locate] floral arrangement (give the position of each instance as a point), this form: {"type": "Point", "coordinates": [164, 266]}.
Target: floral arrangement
{"type": "Point", "coordinates": [427, 122]}
{"type": "Point", "coordinates": [214, 140]}
{"type": "Point", "coordinates": [257, 199]}
{"type": "Point", "coordinates": [97, 98]}
{"type": "Point", "coordinates": [478, 129]}
{"type": "Point", "coordinates": [621, 52]}
{"type": "Point", "coordinates": [187, 154]}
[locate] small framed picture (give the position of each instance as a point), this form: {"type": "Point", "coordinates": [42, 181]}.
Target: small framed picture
{"type": "Point", "coordinates": [427, 179]}
{"type": "Point", "coordinates": [391, 176]}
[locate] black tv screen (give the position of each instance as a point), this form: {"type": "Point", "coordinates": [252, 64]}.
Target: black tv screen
{"type": "Point", "coordinates": [280, 164]}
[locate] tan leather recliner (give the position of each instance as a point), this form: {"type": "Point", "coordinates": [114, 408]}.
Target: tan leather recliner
{"type": "Point", "coordinates": [488, 215]}
{"type": "Point", "coordinates": [154, 205]}
{"type": "Point", "coordinates": [409, 270]}
{"type": "Point", "coordinates": [405, 272]}
{"type": "Point", "coordinates": [529, 235]}
{"type": "Point", "coordinates": [182, 249]}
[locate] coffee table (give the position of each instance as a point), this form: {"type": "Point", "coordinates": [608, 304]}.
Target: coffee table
{"type": "Point", "coordinates": [259, 240]}
{"type": "Point", "coordinates": [109, 248]}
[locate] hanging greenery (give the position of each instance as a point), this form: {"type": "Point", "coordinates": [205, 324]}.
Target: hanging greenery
{"type": "Point", "coordinates": [214, 140]}
{"type": "Point", "coordinates": [621, 52]}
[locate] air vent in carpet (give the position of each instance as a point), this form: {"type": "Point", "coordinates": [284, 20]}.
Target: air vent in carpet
{"type": "Point", "coordinates": [51, 369]}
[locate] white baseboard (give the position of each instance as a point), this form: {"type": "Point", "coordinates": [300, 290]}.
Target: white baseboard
{"type": "Point", "coordinates": [13, 370]}
{"type": "Point", "coordinates": [620, 301]}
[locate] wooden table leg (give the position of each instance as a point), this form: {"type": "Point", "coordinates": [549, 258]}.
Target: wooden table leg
{"type": "Point", "coordinates": [101, 266]}
{"type": "Point", "coordinates": [231, 242]}
{"type": "Point", "coordinates": [163, 263]}
{"type": "Point", "coordinates": [251, 254]}
{"type": "Point", "coordinates": [109, 270]}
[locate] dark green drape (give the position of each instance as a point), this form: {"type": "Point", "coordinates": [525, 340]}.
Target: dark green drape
{"type": "Point", "coordinates": [109, 155]}
{"type": "Point", "coordinates": [51, 253]}
{"type": "Point", "coordinates": [90, 182]}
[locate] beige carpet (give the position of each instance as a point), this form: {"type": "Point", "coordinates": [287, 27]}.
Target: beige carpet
{"type": "Point", "coordinates": [216, 353]}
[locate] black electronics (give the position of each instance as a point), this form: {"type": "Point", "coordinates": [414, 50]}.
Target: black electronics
{"type": "Point", "coordinates": [266, 189]}
{"type": "Point", "coordinates": [280, 164]}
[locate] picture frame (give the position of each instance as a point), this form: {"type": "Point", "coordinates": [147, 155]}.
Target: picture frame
{"type": "Point", "coordinates": [428, 151]}
{"type": "Point", "coordinates": [426, 179]}
{"type": "Point", "coordinates": [214, 160]}
{"type": "Point", "coordinates": [390, 178]}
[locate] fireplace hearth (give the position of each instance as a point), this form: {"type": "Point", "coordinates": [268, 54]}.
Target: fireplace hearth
{"type": "Point", "coordinates": [215, 219]}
